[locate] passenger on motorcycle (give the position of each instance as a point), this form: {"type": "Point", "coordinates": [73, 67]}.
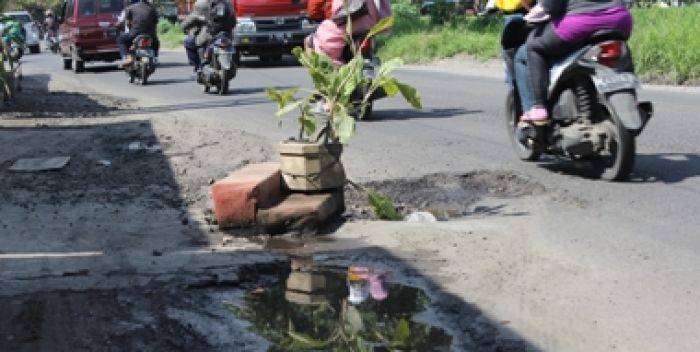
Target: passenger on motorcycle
{"type": "Point", "coordinates": [142, 19]}
{"type": "Point", "coordinates": [329, 38]}
{"type": "Point", "coordinates": [573, 22]}
{"type": "Point", "coordinates": [12, 31]}
{"type": "Point", "coordinates": [195, 25]}
{"type": "Point", "coordinates": [220, 22]}
{"type": "Point", "coordinates": [50, 23]}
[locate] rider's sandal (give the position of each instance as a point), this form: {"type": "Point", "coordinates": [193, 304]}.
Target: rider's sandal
{"type": "Point", "coordinates": [537, 116]}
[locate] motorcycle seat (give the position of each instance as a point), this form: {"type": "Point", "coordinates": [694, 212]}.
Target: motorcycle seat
{"type": "Point", "coordinates": [605, 35]}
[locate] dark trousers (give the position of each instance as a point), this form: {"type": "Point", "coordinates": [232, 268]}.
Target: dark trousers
{"type": "Point", "coordinates": [543, 47]}
{"type": "Point", "coordinates": [192, 52]}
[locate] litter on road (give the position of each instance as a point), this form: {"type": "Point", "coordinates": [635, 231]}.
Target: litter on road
{"type": "Point", "coordinates": [40, 164]}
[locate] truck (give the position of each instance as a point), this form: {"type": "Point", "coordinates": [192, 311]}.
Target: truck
{"type": "Point", "coordinates": [270, 28]}
{"type": "Point", "coordinates": [267, 28]}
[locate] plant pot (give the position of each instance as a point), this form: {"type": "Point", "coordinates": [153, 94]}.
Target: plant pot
{"type": "Point", "coordinates": [309, 167]}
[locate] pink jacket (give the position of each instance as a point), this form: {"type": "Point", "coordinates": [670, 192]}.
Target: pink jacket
{"type": "Point", "coordinates": [329, 38]}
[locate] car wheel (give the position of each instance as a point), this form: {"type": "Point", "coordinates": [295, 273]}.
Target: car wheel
{"type": "Point", "coordinates": [79, 66]}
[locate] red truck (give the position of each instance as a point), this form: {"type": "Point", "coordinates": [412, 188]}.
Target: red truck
{"type": "Point", "coordinates": [270, 28]}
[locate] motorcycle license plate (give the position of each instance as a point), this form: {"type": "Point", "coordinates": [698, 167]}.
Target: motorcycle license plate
{"type": "Point", "coordinates": [616, 82]}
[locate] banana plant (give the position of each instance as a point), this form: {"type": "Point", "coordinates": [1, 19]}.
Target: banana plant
{"type": "Point", "coordinates": [335, 87]}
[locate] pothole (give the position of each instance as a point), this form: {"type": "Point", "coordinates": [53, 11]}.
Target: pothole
{"type": "Point", "coordinates": [446, 196]}
{"type": "Point", "coordinates": [352, 308]}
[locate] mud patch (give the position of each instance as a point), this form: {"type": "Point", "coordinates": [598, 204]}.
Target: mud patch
{"type": "Point", "coordinates": [37, 101]}
{"type": "Point", "coordinates": [128, 175]}
{"type": "Point", "coordinates": [445, 195]}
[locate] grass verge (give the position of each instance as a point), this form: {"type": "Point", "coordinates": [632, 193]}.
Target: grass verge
{"type": "Point", "coordinates": [665, 42]}
{"type": "Point", "coordinates": [170, 34]}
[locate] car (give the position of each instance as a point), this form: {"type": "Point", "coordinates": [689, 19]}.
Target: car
{"type": "Point", "coordinates": [168, 10]}
{"type": "Point", "coordinates": [88, 32]}
{"type": "Point", "coordinates": [33, 32]}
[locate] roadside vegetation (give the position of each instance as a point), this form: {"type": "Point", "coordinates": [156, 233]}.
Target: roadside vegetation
{"type": "Point", "coordinates": [170, 34]}
{"type": "Point", "coordinates": [665, 42]}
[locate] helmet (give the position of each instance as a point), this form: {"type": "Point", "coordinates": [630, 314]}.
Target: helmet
{"type": "Point", "coordinates": [201, 6]}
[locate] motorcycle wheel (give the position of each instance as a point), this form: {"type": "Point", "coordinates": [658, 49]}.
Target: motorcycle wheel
{"type": "Point", "coordinates": [67, 64]}
{"type": "Point", "coordinates": [618, 164]}
{"type": "Point", "coordinates": [223, 84]}
{"type": "Point", "coordinates": [206, 88]}
{"type": "Point", "coordinates": [144, 75]}
{"type": "Point", "coordinates": [513, 113]}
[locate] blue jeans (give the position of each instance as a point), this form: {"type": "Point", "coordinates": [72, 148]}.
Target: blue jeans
{"type": "Point", "coordinates": [522, 79]}
{"type": "Point", "coordinates": [192, 52]}
{"type": "Point", "coordinates": [507, 19]}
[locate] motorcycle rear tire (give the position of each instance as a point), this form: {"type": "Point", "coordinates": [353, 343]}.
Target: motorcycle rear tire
{"type": "Point", "coordinates": [223, 84]}
{"type": "Point", "coordinates": [513, 113]}
{"type": "Point", "coordinates": [623, 159]}
{"type": "Point", "coordinates": [67, 64]}
{"type": "Point", "coordinates": [144, 75]}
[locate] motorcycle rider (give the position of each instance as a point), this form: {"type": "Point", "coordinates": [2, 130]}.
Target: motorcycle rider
{"type": "Point", "coordinates": [50, 24]}
{"type": "Point", "coordinates": [317, 10]}
{"type": "Point", "coordinates": [572, 23]}
{"type": "Point", "coordinates": [221, 20]}
{"type": "Point", "coordinates": [142, 19]}
{"type": "Point", "coordinates": [195, 25]}
{"type": "Point", "coordinates": [329, 38]}
{"type": "Point", "coordinates": [12, 30]}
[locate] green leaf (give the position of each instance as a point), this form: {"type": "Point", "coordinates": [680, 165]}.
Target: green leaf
{"type": "Point", "coordinates": [402, 333]}
{"type": "Point", "coordinates": [306, 341]}
{"type": "Point", "coordinates": [344, 128]}
{"type": "Point", "coordinates": [286, 109]}
{"type": "Point", "coordinates": [389, 66]}
{"type": "Point", "coordinates": [354, 320]}
{"type": "Point", "coordinates": [411, 95]}
{"type": "Point", "coordinates": [390, 86]}
{"type": "Point", "coordinates": [308, 123]}
{"type": "Point", "coordinates": [281, 97]}
{"type": "Point", "coordinates": [381, 26]}
{"type": "Point", "coordinates": [383, 206]}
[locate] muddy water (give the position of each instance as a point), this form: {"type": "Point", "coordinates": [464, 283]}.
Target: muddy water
{"type": "Point", "coordinates": [316, 307]}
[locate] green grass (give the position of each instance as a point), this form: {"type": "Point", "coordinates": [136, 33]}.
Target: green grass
{"type": "Point", "coordinates": [170, 34]}
{"type": "Point", "coordinates": [665, 42]}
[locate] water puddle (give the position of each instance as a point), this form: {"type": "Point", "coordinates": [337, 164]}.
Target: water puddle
{"type": "Point", "coordinates": [352, 308]}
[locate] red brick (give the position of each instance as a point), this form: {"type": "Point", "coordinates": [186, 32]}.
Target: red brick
{"type": "Point", "coordinates": [237, 197]}
{"type": "Point", "coordinates": [301, 212]}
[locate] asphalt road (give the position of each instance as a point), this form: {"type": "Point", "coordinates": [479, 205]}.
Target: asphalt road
{"type": "Point", "coordinates": [610, 226]}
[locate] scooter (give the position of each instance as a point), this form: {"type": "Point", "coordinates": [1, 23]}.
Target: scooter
{"type": "Point", "coordinates": [221, 68]}
{"type": "Point", "coordinates": [592, 103]}
{"type": "Point", "coordinates": [144, 64]}
{"type": "Point", "coordinates": [52, 42]}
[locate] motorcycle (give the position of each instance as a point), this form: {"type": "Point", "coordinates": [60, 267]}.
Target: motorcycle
{"type": "Point", "coordinates": [592, 100]}
{"type": "Point", "coordinates": [221, 68]}
{"type": "Point", "coordinates": [144, 60]}
{"type": "Point", "coordinates": [52, 42]}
